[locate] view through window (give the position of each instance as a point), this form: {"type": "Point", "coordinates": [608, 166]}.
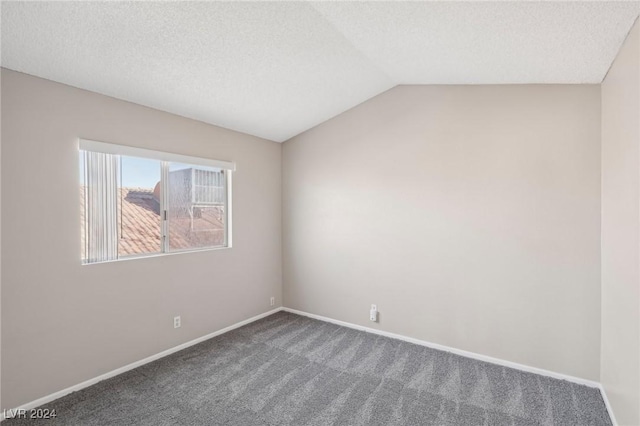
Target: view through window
{"type": "Point", "coordinates": [134, 206]}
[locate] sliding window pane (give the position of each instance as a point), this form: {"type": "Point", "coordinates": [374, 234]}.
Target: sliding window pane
{"type": "Point", "coordinates": [139, 219]}
{"type": "Point", "coordinates": [196, 207]}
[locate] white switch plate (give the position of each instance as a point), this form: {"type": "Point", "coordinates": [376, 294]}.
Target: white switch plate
{"type": "Point", "coordinates": [273, 301]}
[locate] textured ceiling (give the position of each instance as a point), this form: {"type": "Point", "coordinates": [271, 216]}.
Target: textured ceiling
{"type": "Point", "coordinates": [275, 69]}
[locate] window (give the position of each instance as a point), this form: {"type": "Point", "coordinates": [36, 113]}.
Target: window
{"type": "Point", "coordinates": [137, 202]}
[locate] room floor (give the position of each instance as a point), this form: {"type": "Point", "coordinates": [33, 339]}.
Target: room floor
{"type": "Point", "coordinates": [291, 370]}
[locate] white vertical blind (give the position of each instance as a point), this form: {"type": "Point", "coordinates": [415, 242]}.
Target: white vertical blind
{"type": "Point", "coordinates": [101, 210]}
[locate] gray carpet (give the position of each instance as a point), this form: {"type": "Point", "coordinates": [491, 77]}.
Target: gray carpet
{"type": "Point", "coordinates": [291, 370]}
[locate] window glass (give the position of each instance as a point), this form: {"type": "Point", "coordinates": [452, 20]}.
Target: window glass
{"type": "Point", "coordinates": [196, 206]}
{"type": "Point", "coordinates": [135, 206]}
{"type": "Point", "coordinates": [139, 219]}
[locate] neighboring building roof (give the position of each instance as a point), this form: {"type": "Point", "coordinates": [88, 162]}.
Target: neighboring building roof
{"type": "Point", "coordinates": [139, 224]}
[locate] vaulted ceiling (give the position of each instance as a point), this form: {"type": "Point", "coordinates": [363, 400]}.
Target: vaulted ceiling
{"type": "Point", "coordinates": [276, 69]}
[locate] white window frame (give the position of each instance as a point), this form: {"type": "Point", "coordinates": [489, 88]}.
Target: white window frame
{"type": "Point", "coordinates": [165, 158]}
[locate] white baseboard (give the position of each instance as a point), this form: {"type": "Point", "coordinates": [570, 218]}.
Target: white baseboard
{"type": "Point", "coordinates": [473, 355]}
{"type": "Point", "coordinates": [608, 405]}
{"type": "Point", "coordinates": [40, 401]}
{"type": "Point", "coordinates": [460, 352]}
{"type": "Point", "coordinates": [45, 399]}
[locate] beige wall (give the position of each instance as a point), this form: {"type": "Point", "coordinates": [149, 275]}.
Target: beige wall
{"type": "Point", "coordinates": [63, 323]}
{"type": "Point", "coordinates": [620, 358]}
{"type": "Point", "coordinates": [469, 214]}
{"type": "Point", "coordinates": [1, 406]}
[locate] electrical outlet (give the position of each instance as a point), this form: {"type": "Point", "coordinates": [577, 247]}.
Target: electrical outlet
{"type": "Point", "coordinates": [373, 313]}
{"type": "Point", "coordinates": [176, 322]}
{"type": "Point", "coordinates": [273, 301]}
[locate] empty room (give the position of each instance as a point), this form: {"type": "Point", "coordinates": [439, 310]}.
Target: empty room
{"type": "Point", "coordinates": [320, 213]}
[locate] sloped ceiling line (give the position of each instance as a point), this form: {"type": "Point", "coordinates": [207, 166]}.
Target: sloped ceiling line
{"type": "Point", "coordinates": [353, 46]}
{"type": "Point", "coordinates": [276, 69]}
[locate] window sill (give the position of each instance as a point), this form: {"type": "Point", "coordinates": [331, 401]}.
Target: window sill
{"type": "Point", "coordinates": [151, 255]}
